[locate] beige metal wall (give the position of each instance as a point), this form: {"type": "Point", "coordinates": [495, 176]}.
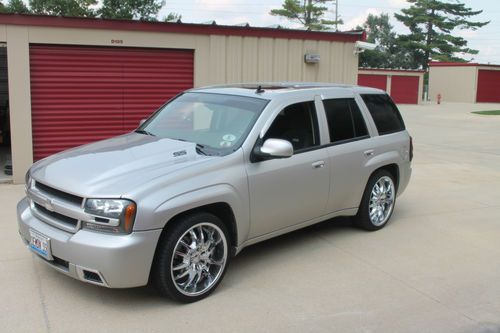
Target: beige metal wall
{"type": "Point", "coordinates": [218, 59]}
{"type": "Point", "coordinates": [455, 84]}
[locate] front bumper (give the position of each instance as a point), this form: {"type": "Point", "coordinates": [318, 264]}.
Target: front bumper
{"type": "Point", "coordinates": [115, 261]}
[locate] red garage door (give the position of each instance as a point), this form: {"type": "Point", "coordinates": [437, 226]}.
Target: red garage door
{"type": "Point", "coordinates": [488, 87]}
{"type": "Point", "coordinates": [404, 89]}
{"type": "Point", "coordinates": [374, 81]}
{"type": "Point", "coordinates": [84, 94]}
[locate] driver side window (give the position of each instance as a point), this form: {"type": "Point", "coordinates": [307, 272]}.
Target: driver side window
{"type": "Point", "coordinates": [298, 124]}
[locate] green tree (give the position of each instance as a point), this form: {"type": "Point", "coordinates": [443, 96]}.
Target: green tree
{"type": "Point", "coordinates": [309, 13]}
{"type": "Point", "coordinates": [431, 24]}
{"type": "Point", "coordinates": [172, 17]}
{"type": "Point", "coordinates": [75, 8]}
{"type": "Point", "coordinates": [388, 54]}
{"type": "Point", "coordinates": [15, 6]}
{"type": "Point", "coordinates": [145, 10]}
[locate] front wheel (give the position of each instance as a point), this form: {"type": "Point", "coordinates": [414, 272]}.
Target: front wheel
{"type": "Point", "coordinates": [192, 258]}
{"type": "Point", "coordinates": [378, 201]}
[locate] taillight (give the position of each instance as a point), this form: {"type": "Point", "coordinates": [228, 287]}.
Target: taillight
{"type": "Point", "coordinates": [411, 148]}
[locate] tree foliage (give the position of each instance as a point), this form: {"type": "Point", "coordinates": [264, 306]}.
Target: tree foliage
{"type": "Point", "coordinates": [15, 6]}
{"type": "Point", "coordinates": [431, 24]}
{"type": "Point", "coordinates": [76, 8]}
{"type": "Point", "coordinates": [309, 13]}
{"type": "Point", "coordinates": [145, 10]}
{"type": "Point", "coordinates": [388, 54]}
{"type": "Point", "coordinates": [172, 17]}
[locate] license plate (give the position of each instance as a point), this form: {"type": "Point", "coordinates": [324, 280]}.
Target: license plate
{"type": "Point", "coordinates": [40, 244]}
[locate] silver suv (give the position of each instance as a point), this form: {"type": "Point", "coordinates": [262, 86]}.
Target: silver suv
{"type": "Point", "coordinates": [212, 171]}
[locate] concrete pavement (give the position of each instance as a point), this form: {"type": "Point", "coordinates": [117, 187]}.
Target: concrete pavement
{"type": "Point", "coordinates": [434, 268]}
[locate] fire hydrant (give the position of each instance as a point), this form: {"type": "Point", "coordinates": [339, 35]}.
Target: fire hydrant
{"type": "Point", "coordinates": [439, 98]}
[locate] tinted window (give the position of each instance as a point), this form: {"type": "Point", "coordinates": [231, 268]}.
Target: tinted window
{"type": "Point", "coordinates": [384, 113]}
{"type": "Point", "coordinates": [298, 124]}
{"type": "Point", "coordinates": [345, 121]}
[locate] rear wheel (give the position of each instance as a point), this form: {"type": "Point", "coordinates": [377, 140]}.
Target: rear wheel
{"type": "Point", "coordinates": [378, 201]}
{"type": "Point", "coordinates": [192, 258]}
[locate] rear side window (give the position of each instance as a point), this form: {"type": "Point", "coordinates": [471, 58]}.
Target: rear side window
{"type": "Point", "coordinates": [384, 113]}
{"type": "Point", "coordinates": [345, 121]}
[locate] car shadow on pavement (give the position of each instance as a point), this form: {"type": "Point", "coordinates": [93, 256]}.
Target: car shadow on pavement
{"type": "Point", "coordinates": [239, 271]}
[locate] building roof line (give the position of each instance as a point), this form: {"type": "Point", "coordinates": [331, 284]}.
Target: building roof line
{"type": "Point", "coordinates": [459, 64]}
{"type": "Point", "coordinates": [178, 27]}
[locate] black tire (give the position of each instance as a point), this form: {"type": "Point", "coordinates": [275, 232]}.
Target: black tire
{"type": "Point", "coordinates": [362, 219]}
{"type": "Point", "coordinates": [162, 275]}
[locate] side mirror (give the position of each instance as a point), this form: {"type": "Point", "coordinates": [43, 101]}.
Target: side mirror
{"type": "Point", "coordinates": [273, 148]}
{"type": "Point", "coordinates": [142, 122]}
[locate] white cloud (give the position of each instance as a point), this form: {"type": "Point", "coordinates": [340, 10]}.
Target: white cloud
{"type": "Point", "coordinates": [397, 3]}
{"type": "Point", "coordinates": [360, 18]}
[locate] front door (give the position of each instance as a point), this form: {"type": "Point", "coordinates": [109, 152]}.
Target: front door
{"type": "Point", "coordinates": [285, 192]}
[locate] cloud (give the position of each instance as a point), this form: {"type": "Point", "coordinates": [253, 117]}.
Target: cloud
{"type": "Point", "coordinates": [397, 3]}
{"type": "Point", "coordinates": [360, 18]}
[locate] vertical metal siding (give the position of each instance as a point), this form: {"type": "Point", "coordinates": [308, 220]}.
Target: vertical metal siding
{"type": "Point", "coordinates": [488, 86]}
{"type": "Point", "coordinates": [404, 89]}
{"type": "Point", "coordinates": [374, 81]}
{"type": "Point", "coordinates": [84, 94]}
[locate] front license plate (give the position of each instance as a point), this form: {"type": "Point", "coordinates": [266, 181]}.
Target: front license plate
{"type": "Point", "coordinates": [40, 244]}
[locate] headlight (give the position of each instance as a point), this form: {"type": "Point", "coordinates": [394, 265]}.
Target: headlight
{"type": "Point", "coordinates": [110, 215]}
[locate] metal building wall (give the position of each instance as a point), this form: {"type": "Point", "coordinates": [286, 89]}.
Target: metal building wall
{"type": "Point", "coordinates": [217, 59]}
{"type": "Point", "coordinates": [454, 84]}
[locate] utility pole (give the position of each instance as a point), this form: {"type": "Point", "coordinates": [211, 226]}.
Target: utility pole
{"type": "Point", "coordinates": [336, 15]}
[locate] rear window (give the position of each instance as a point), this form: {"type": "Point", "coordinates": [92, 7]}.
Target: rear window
{"type": "Point", "coordinates": [345, 121]}
{"type": "Point", "coordinates": [384, 112]}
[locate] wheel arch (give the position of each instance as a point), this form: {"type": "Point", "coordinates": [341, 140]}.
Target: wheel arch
{"type": "Point", "coordinates": [222, 210]}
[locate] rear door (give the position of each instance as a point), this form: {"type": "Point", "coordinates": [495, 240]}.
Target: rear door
{"type": "Point", "coordinates": [350, 149]}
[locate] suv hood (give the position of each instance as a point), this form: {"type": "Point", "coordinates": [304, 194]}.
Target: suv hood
{"type": "Point", "coordinates": [111, 167]}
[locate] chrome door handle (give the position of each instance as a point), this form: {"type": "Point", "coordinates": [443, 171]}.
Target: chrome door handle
{"type": "Point", "coordinates": [318, 164]}
{"type": "Point", "coordinates": [369, 152]}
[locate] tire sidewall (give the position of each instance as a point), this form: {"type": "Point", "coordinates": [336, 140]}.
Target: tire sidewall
{"type": "Point", "coordinates": [162, 276]}
{"type": "Point", "coordinates": [363, 217]}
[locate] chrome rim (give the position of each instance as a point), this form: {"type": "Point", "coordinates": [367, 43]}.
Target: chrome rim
{"type": "Point", "coordinates": [381, 201]}
{"type": "Point", "coordinates": [199, 259]}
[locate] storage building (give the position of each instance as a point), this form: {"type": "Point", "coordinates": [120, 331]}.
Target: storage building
{"type": "Point", "coordinates": [464, 82]}
{"type": "Point", "coordinates": [404, 86]}
{"type": "Point", "coordinates": [72, 80]}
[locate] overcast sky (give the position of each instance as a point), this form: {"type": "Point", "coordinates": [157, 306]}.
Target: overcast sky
{"type": "Point", "coordinates": [353, 12]}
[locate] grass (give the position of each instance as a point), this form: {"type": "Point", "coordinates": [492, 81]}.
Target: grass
{"type": "Point", "coordinates": [489, 113]}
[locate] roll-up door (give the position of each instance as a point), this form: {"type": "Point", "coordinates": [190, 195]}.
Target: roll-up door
{"type": "Point", "coordinates": [84, 94]}
{"type": "Point", "coordinates": [488, 86]}
{"type": "Point", "coordinates": [404, 89]}
{"type": "Point", "coordinates": [374, 81]}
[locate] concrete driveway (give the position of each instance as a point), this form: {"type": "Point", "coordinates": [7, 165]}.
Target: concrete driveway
{"type": "Point", "coordinates": [434, 268]}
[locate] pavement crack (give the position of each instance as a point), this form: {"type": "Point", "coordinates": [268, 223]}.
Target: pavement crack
{"type": "Point", "coordinates": [41, 297]}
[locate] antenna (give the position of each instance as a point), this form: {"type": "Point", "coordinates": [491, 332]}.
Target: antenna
{"type": "Point", "coordinates": [259, 90]}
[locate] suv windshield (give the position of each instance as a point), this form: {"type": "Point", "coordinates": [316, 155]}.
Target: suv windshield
{"type": "Point", "coordinates": [217, 123]}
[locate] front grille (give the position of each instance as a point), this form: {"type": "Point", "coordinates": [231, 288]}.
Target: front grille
{"type": "Point", "coordinates": [58, 194]}
{"type": "Point", "coordinates": [59, 217]}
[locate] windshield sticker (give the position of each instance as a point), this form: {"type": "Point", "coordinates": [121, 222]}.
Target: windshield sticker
{"type": "Point", "coordinates": [225, 144]}
{"type": "Point", "coordinates": [229, 137]}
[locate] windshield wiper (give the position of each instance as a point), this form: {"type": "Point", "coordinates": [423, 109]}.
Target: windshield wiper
{"type": "Point", "coordinates": [141, 131]}
{"type": "Point", "coordinates": [200, 149]}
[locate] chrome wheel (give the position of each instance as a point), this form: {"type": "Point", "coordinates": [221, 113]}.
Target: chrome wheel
{"type": "Point", "coordinates": [199, 258]}
{"type": "Point", "coordinates": [381, 201]}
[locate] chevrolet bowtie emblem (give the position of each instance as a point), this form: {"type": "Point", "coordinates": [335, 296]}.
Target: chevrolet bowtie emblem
{"type": "Point", "coordinates": [49, 205]}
